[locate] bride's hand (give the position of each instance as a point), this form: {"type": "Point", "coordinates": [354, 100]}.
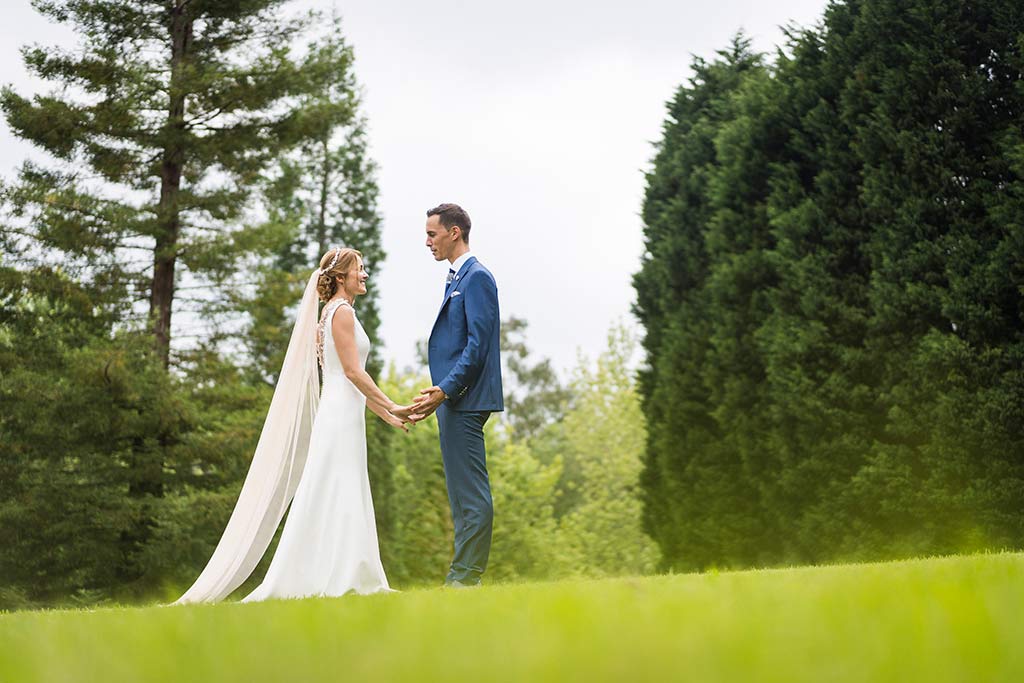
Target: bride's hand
{"type": "Point", "coordinates": [402, 412]}
{"type": "Point", "coordinates": [396, 422]}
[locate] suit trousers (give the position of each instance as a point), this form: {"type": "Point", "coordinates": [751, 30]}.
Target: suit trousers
{"type": "Point", "coordinates": [469, 490]}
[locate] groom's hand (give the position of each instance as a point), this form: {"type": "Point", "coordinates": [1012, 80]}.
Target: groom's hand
{"type": "Point", "coordinates": [427, 402]}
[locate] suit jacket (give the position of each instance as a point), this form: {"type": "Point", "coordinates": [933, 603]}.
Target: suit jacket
{"type": "Point", "coordinates": [463, 350]}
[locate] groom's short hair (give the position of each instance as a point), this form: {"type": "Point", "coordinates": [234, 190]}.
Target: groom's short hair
{"type": "Point", "coordinates": [451, 215]}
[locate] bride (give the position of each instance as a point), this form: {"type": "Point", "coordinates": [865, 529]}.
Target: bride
{"type": "Point", "coordinates": [313, 449]}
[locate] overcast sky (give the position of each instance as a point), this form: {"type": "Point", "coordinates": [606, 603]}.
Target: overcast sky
{"type": "Point", "coordinates": [537, 117]}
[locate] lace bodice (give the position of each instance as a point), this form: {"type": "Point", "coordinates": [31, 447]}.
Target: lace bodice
{"type": "Point", "coordinates": [325, 351]}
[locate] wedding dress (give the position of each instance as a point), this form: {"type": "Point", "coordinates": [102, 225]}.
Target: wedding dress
{"type": "Point", "coordinates": [329, 543]}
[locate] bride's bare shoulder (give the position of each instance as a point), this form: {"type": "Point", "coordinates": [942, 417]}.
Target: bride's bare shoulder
{"type": "Point", "coordinates": [342, 317]}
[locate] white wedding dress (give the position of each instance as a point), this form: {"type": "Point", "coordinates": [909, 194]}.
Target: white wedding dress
{"type": "Point", "coordinates": [329, 543]}
{"type": "Point", "coordinates": [312, 453]}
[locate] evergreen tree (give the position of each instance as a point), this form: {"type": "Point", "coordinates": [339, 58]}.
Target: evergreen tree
{"type": "Point", "coordinates": [831, 296]}
{"type": "Point", "coordinates": [322, 195]}
{"type": "Point", "coordinates": [163, 120]}
{"type": "Point", "coordinates": [936, 104]}
{"type": "Point", "coordinates": [85, 409]}
{"type": "Point", "coordinates": [689, 492]}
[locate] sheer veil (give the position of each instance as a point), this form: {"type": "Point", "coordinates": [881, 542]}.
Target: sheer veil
{"type": "Point", "coordinates": [276, 465]}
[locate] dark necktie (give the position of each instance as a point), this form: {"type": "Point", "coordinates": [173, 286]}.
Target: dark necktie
{"type": "Point", "coordinates": [448, 281]}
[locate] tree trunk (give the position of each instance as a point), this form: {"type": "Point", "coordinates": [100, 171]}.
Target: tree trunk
{"type": "Point", "coordinates": [147, 462]}
{"type": "Point", "coordinates": [168, 220]}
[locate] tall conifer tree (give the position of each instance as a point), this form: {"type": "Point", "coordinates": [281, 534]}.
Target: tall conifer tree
{"type": "Point", "coordinates": [831, 296]}
{"type": "Point", "coordinates": [164, 118]}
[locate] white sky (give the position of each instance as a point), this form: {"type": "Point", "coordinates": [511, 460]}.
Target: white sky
{"type": "Point", "coordinates": [537, 117]}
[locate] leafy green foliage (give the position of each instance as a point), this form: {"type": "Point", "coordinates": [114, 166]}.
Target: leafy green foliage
{"type": "Point", "coordinates": [604, 438]}
{"type": "Point", "coordinates": [534, 396]}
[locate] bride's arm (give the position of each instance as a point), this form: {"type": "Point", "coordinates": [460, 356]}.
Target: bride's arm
{"type": "Point", "coordinates": [343, 330]}
{"type": "Point", "coordinates": [388, 417]}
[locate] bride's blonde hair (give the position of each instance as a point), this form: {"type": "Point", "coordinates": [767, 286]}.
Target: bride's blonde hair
{"type": "Point", "coordinates": [334, 264]}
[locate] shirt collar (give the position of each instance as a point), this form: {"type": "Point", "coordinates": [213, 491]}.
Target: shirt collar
{"type": "Point", "coordinates": [461, 261]}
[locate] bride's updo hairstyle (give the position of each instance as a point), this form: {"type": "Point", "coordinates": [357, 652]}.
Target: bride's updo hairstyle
{"type": "Point", "coordinates": [333, 265]}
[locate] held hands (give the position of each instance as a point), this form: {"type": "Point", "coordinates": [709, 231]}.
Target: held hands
{"type": "Point", "coordinates": [400, 417]}
{"type": "Point", "coordinates": [423, 407]}
{"type": "Point", "coordinates": [397, 422]}
{"type": "Point", "coordinates": [427, 402]}
{"type": "Point", "coordinates": [403, 412]}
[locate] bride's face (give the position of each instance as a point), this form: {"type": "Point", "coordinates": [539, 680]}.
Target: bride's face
{"type": "Point", "coordinates": [354, 283]}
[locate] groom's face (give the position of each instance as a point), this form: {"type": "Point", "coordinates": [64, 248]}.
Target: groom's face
{"type": "Point", "coordinates": [439, 241]}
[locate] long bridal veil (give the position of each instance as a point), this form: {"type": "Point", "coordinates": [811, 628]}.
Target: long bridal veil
{"type": "Point", "coordinates": [276, 465]}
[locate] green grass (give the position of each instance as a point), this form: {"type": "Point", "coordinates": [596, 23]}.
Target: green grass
{"type": "Point", "coordinates": [950, 619]}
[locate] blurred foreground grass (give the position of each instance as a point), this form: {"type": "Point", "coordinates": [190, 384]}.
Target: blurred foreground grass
{"type": "Point", "coordinates": [949, 619]}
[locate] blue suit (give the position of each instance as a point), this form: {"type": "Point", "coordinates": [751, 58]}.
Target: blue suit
{"type": "Point", "coordinates": [465, 362]}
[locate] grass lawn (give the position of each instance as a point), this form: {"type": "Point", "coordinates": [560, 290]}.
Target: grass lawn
{"type": "Point", "coordinates": [948, 619]}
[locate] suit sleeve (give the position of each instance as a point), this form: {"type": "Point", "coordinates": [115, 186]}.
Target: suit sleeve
{"type": "Point", "coordinates": [481, 305]}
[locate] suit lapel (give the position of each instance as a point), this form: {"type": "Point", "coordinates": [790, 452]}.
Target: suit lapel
{"type": "Point", "coordinates": [465, 268]}
{"type": "Point", "coordinates": [456, 283]}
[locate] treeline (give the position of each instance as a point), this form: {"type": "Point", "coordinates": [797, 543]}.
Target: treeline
{"type": "Point", "coordinates": [80, 406]}
{"type": "Point", "coordinates": [833, 293]}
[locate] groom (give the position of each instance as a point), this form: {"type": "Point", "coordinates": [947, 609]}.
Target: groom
{"type": "Point", "coordinates": [465, 368]}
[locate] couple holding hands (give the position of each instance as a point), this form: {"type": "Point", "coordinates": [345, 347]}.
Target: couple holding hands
{"type": "Point", "coordinates": [312, 449]}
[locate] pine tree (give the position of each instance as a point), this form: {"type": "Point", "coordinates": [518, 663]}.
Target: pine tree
{"type": "Point", "coordinates": [321, 195]}
{"type": "Point", "coordinates": [164, 118]}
